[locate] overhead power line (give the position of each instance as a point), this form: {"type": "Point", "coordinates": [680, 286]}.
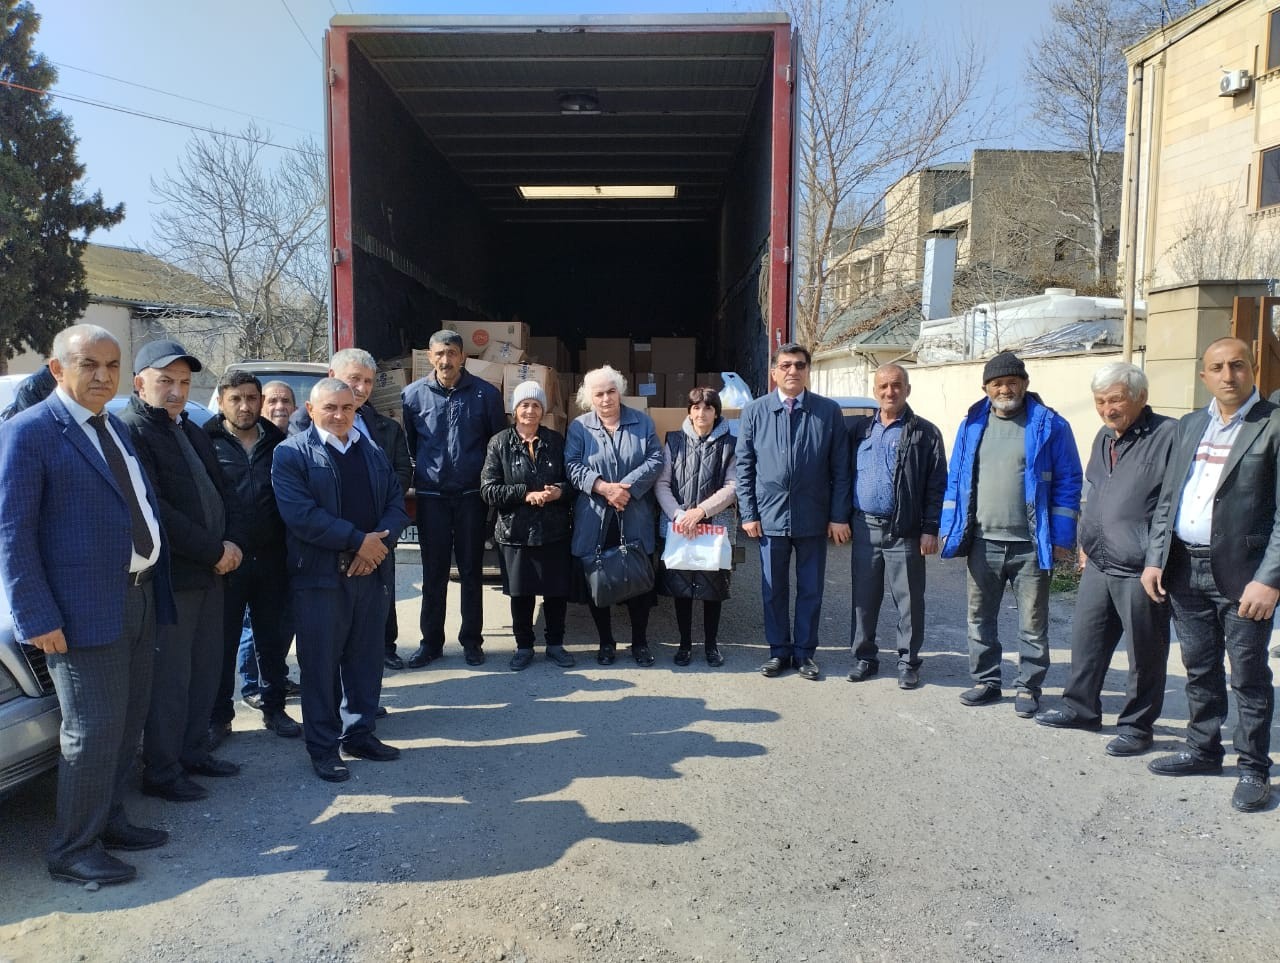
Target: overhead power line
{"type": "Point", "coordinates": [301, 32]}
{"type": "Point", "coordinates": [193, 100]}
{"type": "Point", "coordinates": [156, 117]}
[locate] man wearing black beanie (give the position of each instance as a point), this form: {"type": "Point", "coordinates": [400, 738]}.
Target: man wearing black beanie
{"type": "Point", "coordinates": [1013, 496]}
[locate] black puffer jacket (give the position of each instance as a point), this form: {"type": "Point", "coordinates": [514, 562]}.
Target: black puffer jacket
{"type": "Point", "coordinates": [509, 474]}
{"type": "Point", "coordinates": [195, 547]}
{"type": "Point", "coordinates": [248, 474]}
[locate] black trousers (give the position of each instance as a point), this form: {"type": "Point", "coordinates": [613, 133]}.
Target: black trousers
{"type": "Point", "coordinates": [452, 526]}
{"type": "Point", "coordinates": [1108, 607]}
{"type": "Point", "coordinates": [104, 691]}
{"type": "Point", "coordinates": [553, 610]}
{"type": "Point", "coordinates": [262, 583]}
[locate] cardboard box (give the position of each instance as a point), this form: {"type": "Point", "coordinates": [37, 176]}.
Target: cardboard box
{"type": "Point", "coordinates": [549, 351]}
{"type": "Point", "coordinates": [556, 421]}
{"type": "Point", "coordinates": [396, 378]}
{"type": "Point", "coordinates": [667, 420]}
{"type": "Point", "coordinates": [605, 351]}
{"type": "Point", "coordinates": [390, 364]}
{"type": "Point", "coordinates": [386, 399]}
{"type": "Point", "coordinates": [638, 402]}
{"type": "Point", "coordinates": [566, 390]}
{"type": "Point", "coordinates": [487, 371]}
{"type": "Point", "coordinates": [679, 384]}
{"type": "Point", "coordinates": [642, 356]}
{"type": "Point", "coordinates": [421, 364]}
{"type": "Point", "coordinates": [477, 335]}
{"type": "Point", "coordinates": [710, 379]}
{"type": "Point", "coordinates": [674, 354]}
{"type": "Point", "coordinates": [503, 352]}
{"type": "Point", "coordinates": [513, 374]}
{"type": "Point", "coordinates": [649, 385]}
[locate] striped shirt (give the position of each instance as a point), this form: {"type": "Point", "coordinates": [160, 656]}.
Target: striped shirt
{"type": "Point", "coordinates": [1195, 508]}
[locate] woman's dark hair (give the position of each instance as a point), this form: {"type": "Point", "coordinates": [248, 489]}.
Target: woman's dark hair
{"type": "Point", "coordinates": [706, 396]}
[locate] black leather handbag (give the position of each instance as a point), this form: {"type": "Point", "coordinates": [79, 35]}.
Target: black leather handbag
{"type": "Point", "coordinates": [618, 573]}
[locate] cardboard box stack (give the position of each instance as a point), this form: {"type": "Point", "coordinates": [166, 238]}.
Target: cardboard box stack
{"type": "Point", "coordinates": [478, 335]}
{"type": "Point", "coordinates": [489, 371]}
{"type": "Point", "coordinates": [549, 351]}
{"type": "Point", "coordinates": [651, 386]}
{"type": "Point", "coordinates": [606, 351]}
{"type": "Point", "coordinates": [513, 374]}
{"type": "Point", "coordinates": [503, 352]}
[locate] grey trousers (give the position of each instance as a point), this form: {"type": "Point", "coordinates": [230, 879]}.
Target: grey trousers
{"type": "Point", "coordinates": [188, 660]}
{"type": "Point", "coordinates": [992, 565]}
{"type": "Point", "coordinates": [879, 557]}
{"type": "Point", "coordinates": [1107, 607]}
{"type": "Point", "coordinates": [104, 691]}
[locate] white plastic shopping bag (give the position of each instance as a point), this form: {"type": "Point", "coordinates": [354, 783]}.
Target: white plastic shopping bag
{"type": "Point", "coordinates": [707, 551]}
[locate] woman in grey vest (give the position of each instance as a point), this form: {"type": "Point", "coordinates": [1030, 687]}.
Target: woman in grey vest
{"type": "Point", "coordinates": [696, 485]}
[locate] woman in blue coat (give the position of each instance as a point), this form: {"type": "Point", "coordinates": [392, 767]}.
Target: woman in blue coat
{"type": "Point", "coordinates": [612, 457]}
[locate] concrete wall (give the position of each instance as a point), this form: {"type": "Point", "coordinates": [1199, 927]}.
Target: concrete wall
{"type": "Point", "coordinates": [113, 317]}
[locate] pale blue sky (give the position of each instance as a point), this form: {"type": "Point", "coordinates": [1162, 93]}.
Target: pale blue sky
{"type": "Point", "coordinates": [248, 56]}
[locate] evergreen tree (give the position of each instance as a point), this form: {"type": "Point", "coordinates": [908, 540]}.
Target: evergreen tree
{"type": "Point", "coordinates": [45, 218]}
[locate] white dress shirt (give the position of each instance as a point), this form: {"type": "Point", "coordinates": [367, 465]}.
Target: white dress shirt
{"type": "Point", "coordinates": [331, 439]}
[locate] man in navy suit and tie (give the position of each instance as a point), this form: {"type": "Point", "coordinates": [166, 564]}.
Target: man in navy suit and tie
{"type": "Point", "coordinates": [87, 576]}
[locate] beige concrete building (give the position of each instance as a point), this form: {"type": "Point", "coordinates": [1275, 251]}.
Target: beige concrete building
{"type": "Point", "coordinates": [1021, 215]}
{"type": "Point", "coordinates": [1204, 147]}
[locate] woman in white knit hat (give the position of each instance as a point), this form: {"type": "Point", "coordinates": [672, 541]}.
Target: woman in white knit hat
{"type": "Point", "coordinates": [524, 479]}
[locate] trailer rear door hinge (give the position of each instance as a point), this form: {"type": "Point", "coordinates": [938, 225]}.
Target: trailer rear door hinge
{"type": "Point", "coordinates": [333, 76]}
{"type": "Point", "coordinates": [788, 74]}
{"type": "Point", "coordinates": [786, 254]}
{"type": "Point", "coordinates": [338, 256]}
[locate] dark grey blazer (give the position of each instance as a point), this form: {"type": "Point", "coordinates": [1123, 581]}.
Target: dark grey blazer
{"type": "Point", "coordinates": [1245, 545]}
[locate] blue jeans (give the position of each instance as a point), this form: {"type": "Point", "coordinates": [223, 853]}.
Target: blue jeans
{"type": "Point", "coordinates": [992, 565]}
{"type": "Point", "coordinates": [1209, 628]}
{"type": "Point", "coordinates": [247, 652]}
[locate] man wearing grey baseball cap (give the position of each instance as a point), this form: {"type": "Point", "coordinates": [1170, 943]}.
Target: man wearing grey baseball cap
{"type": "Point", "coordinates": [206, 528]}
{"type": "Point", "coordinates": [1012, 499]}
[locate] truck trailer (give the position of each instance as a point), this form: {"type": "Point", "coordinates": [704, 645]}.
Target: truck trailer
{"type": "Point", "coordinates": [591, 176]}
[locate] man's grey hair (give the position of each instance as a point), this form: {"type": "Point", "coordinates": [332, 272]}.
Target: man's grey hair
{"type": "Point", "coordinates": [1130, 376]}
{"type": "Point", "coordinates": [86, 334]}
{"type": "Point", "coordinates": [327, 386]}
{"type": "Point", "coordinates": [608, 371]}
{"type": "Point", "coordinates": [447, 336]}
{"type": "Point", "coordinates": [890, 366]}
{"type": "Point", "coordinates": [281, 384]}
{"type": "Point", "coordinates": [352, 356]}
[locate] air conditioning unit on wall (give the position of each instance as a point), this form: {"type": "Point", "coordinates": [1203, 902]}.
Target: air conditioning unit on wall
{"type": "Point", "coordinates": [1233, 82]}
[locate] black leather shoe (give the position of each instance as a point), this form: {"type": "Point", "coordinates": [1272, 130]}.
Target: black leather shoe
{"type": "Point", "coordinates": [219, 733]}
{"type": "Point", "coordinates": [1127, 744]}
{"type": "Point", "coordinates": [714, 658]}
{"type": "Point", "coordinates": [809, 670]}
{"type": "Point", "coordinates": [863, 669]}
{"type": "Point", "coordinates": [1252, 792]}
{"type": "Point", "coordinates": [558, 655]}
{"type": "Point", "coordinates": [606, 654]}
{"type": "Point", "coordinates": [1184, 764]}
{"type": "Point", "coordinates": [1025, 704]}
{"type": "Point", "coordinates": [280, 723]}
{"type": "Point", "coordinates": [642, 655]}
{"type": "Point", "coordinates": [371, 747]}
{"type": "Point", "coordinates": [421, 657]}
{"type": "Point", "coordinates": [474, 655]}
{"type": "Point", "coordinates": [291, 689]}
{"type": "Point", "coordinates": [981, 695]}
{"type": "Point", "coordinates": [132, 838]}
{"type": "Point", "coordinates": [684, 655]}
{"type": "Point", "coordinates": [94, 866]}
{"type": "Point", "coordinates": [1063, 718]}
{"type": "Point", "coordinates": [180, 789]}
{"type": "Point", "coordinates": [212, 766]}
{"type": "Point", "coordinates": [392, 661]}
{"type": "Point", "coordinates": [908, 677]}
{"type": "Point", "coordinates": [775, 667]}
{"type": "Point", "coordinates": [331, 769]}
{"type": "Point", "coordinates": [522, 659]}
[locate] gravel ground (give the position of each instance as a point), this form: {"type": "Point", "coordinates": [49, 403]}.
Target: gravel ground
{"type": "Point", "coordinates": [624, 814]}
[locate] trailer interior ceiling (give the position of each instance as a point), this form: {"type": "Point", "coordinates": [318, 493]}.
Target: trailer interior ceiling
{"type": "Point", "coordinates": [570, 107]}
{"type": "Point", "coordinates": [447, 121]}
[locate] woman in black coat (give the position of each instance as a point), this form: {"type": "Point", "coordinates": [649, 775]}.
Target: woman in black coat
{"type": "Point", "coordinates": [524, 479]}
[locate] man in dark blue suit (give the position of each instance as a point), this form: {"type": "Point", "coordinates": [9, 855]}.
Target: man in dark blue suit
{"type": "Point", "coordinates": [343, 510]}
{"type": "Point", "coordinates": [87, 575]}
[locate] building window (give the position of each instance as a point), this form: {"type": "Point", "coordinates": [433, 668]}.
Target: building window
{"type": "Point", "coordinates": [1273, 39]}
{"type": "Point", "coordinates": [1269, 178]}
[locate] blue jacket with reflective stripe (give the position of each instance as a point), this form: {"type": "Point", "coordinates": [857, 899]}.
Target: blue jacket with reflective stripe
{"type": "Point", "coordinates": [1051, 483]}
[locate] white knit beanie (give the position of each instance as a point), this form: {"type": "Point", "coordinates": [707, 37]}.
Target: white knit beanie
{"type": "Point", "coordinates": [528, 390]}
